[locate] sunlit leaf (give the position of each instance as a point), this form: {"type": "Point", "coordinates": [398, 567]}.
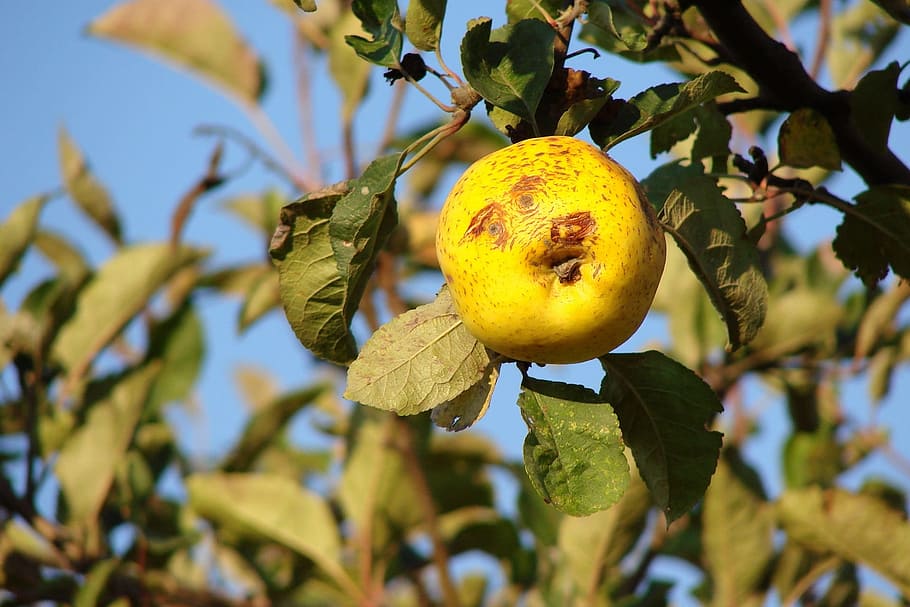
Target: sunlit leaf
{"type": "Point", "coordinates": [16, 233]}
{"type": "Point", "coordinates": [380, 19]}
{"type": "Point", "coordinates": [875, 234]}
{"type": "Point", "coordinates": [663, 409]}
{"type": "Point", "coordinates": [420, 359]}
{"type": "Point", "coordinates": [516, 10]}
{"type": "Point", "coordinates": [360, 225]}
{"type": "Point", "coordinates": [69, 261]}
{"type": "Point", "coordinates": [509, 66]}
{"type": "Point", "coordinates": [708, 228]}
{"type": "Point", "coordinates": [627, 28]}
{"type": "Point", "coordinates": [423, 23]}
{"type": "Point", "coordinates": [84, 188]}
{"type": "Point", "coordinates": [263, 296]}
{"type": "Point", "coordinates": [259, 211]}
{"type": "Point", "coordinates": [195, 34]}
{"type": "Point", "coordinates": [859, 34]}
{"type": "Point", "coordinates": [271, 508]}
{"type": "Point", "coordinates": [737, 532]}
{"type": "Point", "coordinates": [658, 104]}
{"type": "Point", "coordinates": [375, 488]}
{"type": "Point", "coordinates": [120, 290]}
{"type": "Point", "coordinates": [86, 464]}
{"type": "Point", "coordinates": [469, 407]}
{"type": "Point", "coordinates": [573, 452]}
{"type": "Point", "coordinates": [858, 528]}
{"type": "Point", "coordinates": [806, 140]}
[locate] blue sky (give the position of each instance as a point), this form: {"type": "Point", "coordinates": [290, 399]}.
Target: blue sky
{"type": "Point", "coordinates": [134, 117]}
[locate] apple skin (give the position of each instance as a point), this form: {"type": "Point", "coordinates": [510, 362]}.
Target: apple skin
{"type": "Point", "coordinates": [551, 251]}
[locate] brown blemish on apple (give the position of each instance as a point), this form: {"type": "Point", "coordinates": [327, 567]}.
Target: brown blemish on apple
{"type": "Point", "coordinates": [488, 220]}
{"type": "Point", "coordinates": [572, 229]}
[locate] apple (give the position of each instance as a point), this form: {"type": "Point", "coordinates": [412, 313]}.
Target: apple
{"type": "Point", "coordinates": [551, 251]}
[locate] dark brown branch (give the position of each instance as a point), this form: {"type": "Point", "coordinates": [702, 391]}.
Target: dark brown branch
{"type": "Point", "coordinates": [784, 81]}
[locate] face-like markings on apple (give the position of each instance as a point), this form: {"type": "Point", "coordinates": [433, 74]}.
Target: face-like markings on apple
{"type": "Point", "coordinates": [488, 220]}
{"type": "Point", "coordinates": [565, 248]}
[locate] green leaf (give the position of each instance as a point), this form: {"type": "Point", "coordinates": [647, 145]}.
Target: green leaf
{"type": "Point", "coordinates": [259, 211]}
{"type": "Point", "coordinates": [714, 131]}
{"type": "Point", "coordinates": [798, 319]}
{"type": "Point", "coordinates": [273, 509]}
{"type": "Point", "coordinates": [708, 228]}
{"type": "Point", "coordinates": [360, 225]}
{"type": "Point", "coordinates": [195, 34]}
{"type": "Point", "coordinates": [664, 179]}
{"type": "Point", "coordinates": [88, 459]}
{"type": "Point", "coordinates": [17, 232]}
{"type": "Point", "coordinates": [518, 10]}
{"type": "Point", "coordinates": [262, 297]}
{"type": "Point", "coordinates": [737, 532]}
{"type": "Point", "coordinates": [178, 342]}
{"type": "Point", "coordinates": [467, 408]}
{"type": "Point", "coordinates": [573, 452]}
{"type": "Point", "coordinates": [312, 291]}
{"type": "Point", "coordinates": [381, 19]}
{"type": "Point", "coordinates": [119, 291]}
{"type": "Point", "coordinates": [806, 140]}
{"type": "Point", "coordinates": [509, 66]}
{"type": "Point", "coordinates": [663, 408]}
{"type": "Point", "coordinates": [423, 25]}
{"type": "Point", "coordinates": [69, 261]}
{"type": "Point", "coordinates": [658, 104]}
{"type": "Point", "coordinates": [628, 29]}
{"type": "Point", "coordinates": [84, 188]}
{"type": "Point", "coordinates": [420, 359]}
{"type": "Point", "coordinates": [858, 528]}
{"type": "Point", "coordinates": [580, 113]}
{"type": "Point", "coordinates": [266, 425]}
{"type": "Point", "coordinates": [873, 104]}
{"type": "Point", "coordinates": [875, 234]}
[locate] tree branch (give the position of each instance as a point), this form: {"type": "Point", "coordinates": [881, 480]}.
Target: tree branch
{"type": "Point", "coordinates": [784, 81]}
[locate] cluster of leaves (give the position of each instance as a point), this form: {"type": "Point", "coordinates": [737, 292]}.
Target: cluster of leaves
{"type": "Point", "coordinates": [402, 499]}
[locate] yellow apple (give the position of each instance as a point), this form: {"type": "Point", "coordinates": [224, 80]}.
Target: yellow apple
{"type": "Point", "coordinates": [551, 251]}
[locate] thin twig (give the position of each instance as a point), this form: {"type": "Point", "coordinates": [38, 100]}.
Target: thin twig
{"type": "Point", "coordinates": [805, 583]}
{"type": "Point", "coordinates": [252, 148]}
{"type": "Point", "coordinates": [391, 123]}
{"type": "Point", "coordinates": [209, 181]}
{"type": "Point", "coordinates": [266, 127]}
{"type": "Point", "coordinates": [305, 110]}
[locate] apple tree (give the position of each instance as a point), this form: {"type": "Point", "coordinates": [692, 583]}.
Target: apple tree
{"type": "Point", "coordinates": [626, 484]}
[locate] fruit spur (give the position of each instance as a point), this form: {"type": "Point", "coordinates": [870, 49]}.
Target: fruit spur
{"type": "Point", "coordinates": [551, 251]}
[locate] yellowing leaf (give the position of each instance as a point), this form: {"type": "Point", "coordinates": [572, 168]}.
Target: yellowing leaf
{"type": "Point", "coordinates": [467, 408]}
{"type": "Point", "coordinates": [807, 140]}
{"type": "Point", "coordinates": [120, 290]}
{"type": "Point", "coordinates": [84, 188]}
{"type": "Point", "coordinates": [17, 232]}
{"type": "Point", "coordinates": [85, 467]}
{"type": "Point", "coordinates": [420, 359]}
{"type": "Point", "coordinates": [423, 24]}
{"type": "Point", "coordinates": [274, 508]}
{"type": "Point", "coordinates": [858, 528]}
{"type": "Point", "coordinates": [194, 34]}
